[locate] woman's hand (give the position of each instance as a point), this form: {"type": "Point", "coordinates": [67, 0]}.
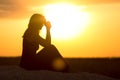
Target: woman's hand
{"type": "Point", "coordinates": [48, 25]}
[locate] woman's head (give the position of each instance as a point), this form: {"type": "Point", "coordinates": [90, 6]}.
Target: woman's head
{"type": "Point", "coordinates": [36, 22]}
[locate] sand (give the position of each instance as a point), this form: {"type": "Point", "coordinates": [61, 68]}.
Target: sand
{"type": "Point", "coordinates": [17, 73]}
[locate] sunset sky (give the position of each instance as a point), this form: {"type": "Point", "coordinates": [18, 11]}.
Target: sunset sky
{"type": "Point", "coordinates": [96, 26]}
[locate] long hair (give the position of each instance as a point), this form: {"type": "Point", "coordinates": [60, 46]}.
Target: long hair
{"type": "Point", "coordinates": [35, 24]}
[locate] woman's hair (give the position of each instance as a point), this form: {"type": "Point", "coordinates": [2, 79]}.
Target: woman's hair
{"type": "Point", "coordinates": [35, 24]}
{"type": "Point", "coordinates": [36, 21]}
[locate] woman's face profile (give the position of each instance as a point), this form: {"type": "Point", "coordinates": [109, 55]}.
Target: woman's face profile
{"type": "Point", "coordinates": [41, 22]}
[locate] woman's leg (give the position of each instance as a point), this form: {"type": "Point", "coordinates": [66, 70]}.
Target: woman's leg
{"type": "Point", "coordinates": [51, 58]}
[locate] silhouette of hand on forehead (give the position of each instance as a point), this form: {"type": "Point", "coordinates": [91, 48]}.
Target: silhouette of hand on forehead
{"type": "Point", "coordinates": [48, 25]}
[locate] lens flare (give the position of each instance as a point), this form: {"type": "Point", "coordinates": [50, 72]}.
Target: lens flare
{"type": "Point", "coordinates": [58, 64]}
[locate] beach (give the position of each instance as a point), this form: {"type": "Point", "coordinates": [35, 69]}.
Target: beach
{"type": "Point", "coordinates": [80, 69]}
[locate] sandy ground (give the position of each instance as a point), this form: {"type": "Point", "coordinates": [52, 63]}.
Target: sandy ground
{"type": "Point", "coordinates": [17, 73]}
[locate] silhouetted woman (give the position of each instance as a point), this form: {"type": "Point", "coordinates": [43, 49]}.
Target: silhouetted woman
{"type": "Point", "coordinates": [48, 58]}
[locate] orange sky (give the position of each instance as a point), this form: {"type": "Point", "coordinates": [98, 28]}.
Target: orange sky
{"type": "Point", "coordinates": [101, 37]}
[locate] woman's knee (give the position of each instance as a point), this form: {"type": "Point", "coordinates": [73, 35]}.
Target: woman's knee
{"type": "Point", "coordinates": [50, 47]}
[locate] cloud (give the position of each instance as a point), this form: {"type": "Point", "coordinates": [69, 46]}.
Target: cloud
{"type": "Point", "coordinates": [41, 2]}
{"type": "Point", "coordinates": [8, 8]}
{"type": "Point", "coordinates": [18, 8]}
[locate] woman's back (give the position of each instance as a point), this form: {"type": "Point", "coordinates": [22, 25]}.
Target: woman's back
{"type": "Point", "coordinates": [29, 53]}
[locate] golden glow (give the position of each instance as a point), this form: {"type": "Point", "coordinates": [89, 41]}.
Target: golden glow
{"type": "Point", "coordinates": [100, 38]}
{"type": "Point", "coordinates": [67, 20]}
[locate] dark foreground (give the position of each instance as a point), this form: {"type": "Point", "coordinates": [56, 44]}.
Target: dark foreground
{"type": "Point", "coordinates": [104, 66]}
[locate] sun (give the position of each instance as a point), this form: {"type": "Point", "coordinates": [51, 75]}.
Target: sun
{"type": "Point", "coordinates": [68, 21]}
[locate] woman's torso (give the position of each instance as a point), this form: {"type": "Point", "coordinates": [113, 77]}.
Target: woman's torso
{"type": "Point", "coordinates": [29, 52]}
